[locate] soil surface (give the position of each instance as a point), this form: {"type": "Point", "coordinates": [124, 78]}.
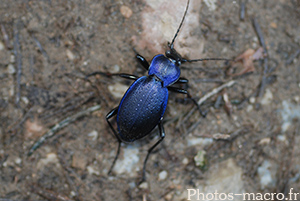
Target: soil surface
{"type": "Point", "coordinates": [247, 143]}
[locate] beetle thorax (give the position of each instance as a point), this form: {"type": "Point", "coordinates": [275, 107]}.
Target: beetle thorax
{"type": "Point", "coordinates": [166, 70]}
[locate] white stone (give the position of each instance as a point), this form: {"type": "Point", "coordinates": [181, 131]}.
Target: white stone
{"type": "Point", "coordinates": [266, 173]}
{"type": "Point", "coordinates": [11, 69]}
{"type": "Point", "coordinates": [162, 175]}
{"type": "Point", "coordinates": [91, 170]}
{"type": "Point", "coordinates": [129, 163]}
{"type": "Point", "coordinates": [268, 96]}
{"type": "Point", "coordinates": [199, 141]}
{"type": "Point", "coordinates": [118, 89]}
{"type": "Point", "coordinates": [93, 135]}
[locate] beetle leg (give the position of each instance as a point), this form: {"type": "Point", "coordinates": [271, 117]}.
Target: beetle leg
{"type": "Point", "coordinates": [183, 91]}
{"type": "Point", "coordinates": [181, 80]}
{"type": "Point", "coordinates": [162, 136]}
{"type": "Point", "coordinates": [178, 90]}
{"type": "Point", "coordinates": [141, 60]}
{"type": "Point", "coordinates": [112, 113]}
{"type": "Point", "coordinates": [128, 76]}
{"type": "Point", "coordinates": [123, 75]}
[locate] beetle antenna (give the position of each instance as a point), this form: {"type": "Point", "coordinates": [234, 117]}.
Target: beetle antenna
{"type": "Point", "coordinates": [172, 43]}
{"type": "Point", "coordinates": [204, 59]}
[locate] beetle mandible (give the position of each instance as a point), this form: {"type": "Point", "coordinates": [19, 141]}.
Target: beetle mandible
{"type": "Point", "coordinates": [143, 105]}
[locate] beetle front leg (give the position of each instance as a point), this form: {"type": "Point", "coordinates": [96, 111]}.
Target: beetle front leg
{"type": "Point", "coordinates": [112, 113]}
{"type": "Point", "coordinates": [123, 75]}
{"type": "Point", "coordinates": [141, 60]}
{"type": "Point", "coordinates": [182, 80]}
{"type": "Point", "coordinates": [162, 136]}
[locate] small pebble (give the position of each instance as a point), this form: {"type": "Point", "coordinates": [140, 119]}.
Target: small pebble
{"type": "Point", "coordinates": [128, 164]}
{"type": "Point", "coordinates": [79, 161]}
{"type": "Point", "coordinates": [93, 135]}
{"type": "Point", "coordinates": [273, 25]}
{"type": "Point", "coordinates": [281, 138]}
{"type": "Point", "coordinates": [185, 161]}
{"type": "Point", "coordinates": [252, 100]}
{"type": "Point", "coordinates": [169, 196]}
{"type": "Point", "coordinates": [162, 175]}
{"type": "Point", "coordinates": [267, 97]}
{"type": "Point", "coordinates": [85, 63]}
{"type": "Point", "coordinates": [11, 91]}
{"type": "Point", "coordinates": [12, 58]}
{"type": "Point", "coordinates": [265, 141]}
{"type": "Point", "coordinates": [70, 54]}
{"type": "Point", "coordinates": [18, 161]}
{"type": "Point", "coordinates": [50, 158]}
{"type": "Point", "coordinates": [11, 69]}
{"type": "Point", "coordinates": [266, 173]}
{"type": "Point", "coordinates": [115, 69]}
{"type": "Point", "coordinates": [126, 11]}
{"type": "Point", "coordinates": [143, 185]}
{"type": "Point", "coordinates": [73, 194]}
{"type": "Point", "coordinates": [132, 185]}
{"type": "Point", "coordinates": [25, 100]}
{"type": "Point", "coordinates": [211, 4]}
{"type": "Point", "coordinates": [249, 108]}
{"type": "Point", "coordinates": [117, 90]}
{"type": "Point", "coordinates": [200, 159]}
{"type": "Point", "coordinates": [91, 171]}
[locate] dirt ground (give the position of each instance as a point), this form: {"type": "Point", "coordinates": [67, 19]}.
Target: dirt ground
{"type": "Point", "coordinates": [249, 138]}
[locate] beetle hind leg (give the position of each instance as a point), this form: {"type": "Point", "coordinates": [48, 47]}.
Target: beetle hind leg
{"type": "Point", "coordinates": [112, 113]}
{"type": "Point", "coordinates": [162, 136]}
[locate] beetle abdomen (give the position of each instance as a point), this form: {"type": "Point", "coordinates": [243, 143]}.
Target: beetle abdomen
{"type": "Point", "coordinates": [141, 108]}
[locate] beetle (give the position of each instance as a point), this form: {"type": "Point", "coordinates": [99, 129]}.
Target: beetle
{"type": "Point", "coordinates": [144, 103]}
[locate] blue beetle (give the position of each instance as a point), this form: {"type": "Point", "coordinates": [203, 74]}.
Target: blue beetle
{"type": "Point", "coordinates": [143, 106]}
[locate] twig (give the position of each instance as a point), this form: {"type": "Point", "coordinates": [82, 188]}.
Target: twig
{"type": "Point", "coordinates": [207, 96]}
{"type": "Point", "coordinates": [49, 194]}
{"type": "Point", "coordinates": [61, 125]}
{"type": "Point", "coordinates": [5, 37]}
{"type": "Point", "coordinates": [39, 45]}
{"type": "Point", "coordinates": [292, 57]}
{"type": "Point", "coordinates": [260, 35]}
{"type": "Point", "coordinates": [70, 105]}
{"type": "Point", "coordinates": [18, 55]}
{"type": "Point", "coordinates": [20, 123]}
{"type": "Point", "coordinates": [225, 137]}
{"type": "Point", "coordinates": [262, 42]}
{"type": "Point", "coordinates": [209, 80]}
{"type": "Point", "coordinates": [215, 91]}
{"type": "Point", "coordinates": [215, 136]}
{"type": "Point", "coordinates": [70, 174]}
{"type": "Point", "coordinates": [242, 6]}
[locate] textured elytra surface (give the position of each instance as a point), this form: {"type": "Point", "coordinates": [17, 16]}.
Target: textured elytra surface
{"type": "Point", "coordinates": [141, 108]}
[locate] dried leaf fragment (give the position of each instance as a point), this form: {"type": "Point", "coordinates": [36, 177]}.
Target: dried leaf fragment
{"type": "Point", "coordinates": [247, 59]}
